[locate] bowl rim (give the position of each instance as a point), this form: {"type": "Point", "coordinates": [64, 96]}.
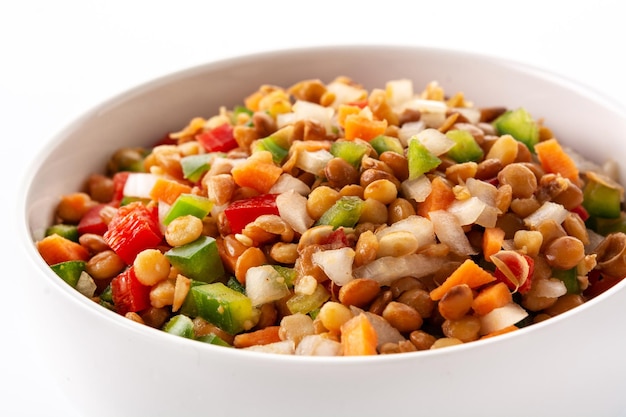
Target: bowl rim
{"type": "Point", "coordinates": [71, 295]}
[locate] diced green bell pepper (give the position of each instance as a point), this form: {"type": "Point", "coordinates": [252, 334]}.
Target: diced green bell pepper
{"type": "Point", "coordinates": [180, 325]}
{"type": "Point", "coordinates": [607, 226]}
{"type": "Point", "coordinates": [235, 285]}
{"type": "Point", "coordinates": [277, 144]}
{"type": "Point", "coordinates": [188, 204]}
{"type": "Point", "coordinates": [602, 198]}
{"type": "Point", "coordinates": [69, 271]}
{"type": "Point", "coordinates": [213, 339]}
{"type": "Point", "coordinates": [224, 307]}
{"type": "Point", "coordinates": [129, 199]}
{"type": "Point", "coordinates": [107, 294]}
{"type": "Point", "coordinates": [289, 274]}
{"type": "Point", "coordinates": [237, 110]}
{"type": "Point", "coordinates": [519, 124]}
{"type": "Point", "coordinates": [465, 149]}
{"type": "Point", "coordinates": [189, 305]}
{"type": "Point", "coordinates": [569, 278]}
{"type": "Point", "coordinates": [350, 151]}
{"type": "Point", "coordinates": [345, 212]}
{"type": "Point", "coordinates": [194, 166]}
{"type": "Point", "coordinates": [306, 303]}
{"type": "Point", "coordinates": [383, 143]}
{"type": "Point", "coordinates": [68, 231]}
{"type": "Point", "coordinates": [198, 260]}
{"type": "Point", "coordinates": [420, 159]}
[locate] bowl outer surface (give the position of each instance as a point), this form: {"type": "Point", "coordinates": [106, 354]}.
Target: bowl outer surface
{"type": "Point", "coordinates": [107, 365]}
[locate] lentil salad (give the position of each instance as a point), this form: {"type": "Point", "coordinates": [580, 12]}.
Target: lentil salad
{"type": "Point", "coordinates": [326, 219]}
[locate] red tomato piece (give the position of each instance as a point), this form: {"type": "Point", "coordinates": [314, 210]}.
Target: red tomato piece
{"type": "Point", "coordinates": [129, 295]}
{"type": "Point", "coordinates": [218, 139]}
{"type": "Point", "coordinates": [133, 229]}
{"type": "Point", "coordinates": [241, 212]}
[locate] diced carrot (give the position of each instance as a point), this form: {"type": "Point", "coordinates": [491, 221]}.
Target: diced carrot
{"type": "Point", "coordinates": [493, 238]}
{"type": "Point", "coordinates": [168, 190]}
{"type": "Point", "coordinates": [491, 297]}
{"type": "Point", "coordinates": [358, 337]}
{"type": "Point", "coordinates": [55, 249]}
{"type": "Point", "coordinates": [504, 330]}
{"type": "Point", "coordinates": [468, 273]}
{"type": "Point", "coordinates": [344, 110]}
{"type": "Point", "coordinates": [555, 160]}
{"type": "Point", "coordinates": [263, 336]}
{"type": "Point", "coordinates": [440, 197]}
{"type": "Point", "coordinates": [257, 172]}
{"type": "Point", "coordinates": [357, 126]}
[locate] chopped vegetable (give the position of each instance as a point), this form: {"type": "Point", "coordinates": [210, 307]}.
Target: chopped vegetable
{"type": "Point", "coordinates": [188, 204]}
{"type": "Point", "coordinates": [195, 166]}
{"type": "Point", "coordinates": [198, 260]}
{"type": "Point", "coordinates": [128, 294]}
{"type": "Point", "coordinates": [68, 231]}
{"type": "Point", "coordinates": [180, 325]}
{"type": "Point", "coordinates": [358, 337]}
{"type": "Point", "coordinates": [69, 271]}
{"type": "Point", "coordinates": [421, 160]}
{"type": "Point", "coordinates": [519, 124]}
{"type": "Point", "coordinates": [218, 139]}
{"type": "Point", "coordinates": [344, 213]}
{"type": "Point", "coordinates": [468, 273]}
{"type": "Point", "coordinates": [241, 212]}
{"type": "Point", "coordinates": [55, 249]}
{"type": "Point", "coordinates": [465, 148]}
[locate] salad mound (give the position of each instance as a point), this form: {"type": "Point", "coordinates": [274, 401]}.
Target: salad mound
{"type": "Point", "coordinates": [328, 219]}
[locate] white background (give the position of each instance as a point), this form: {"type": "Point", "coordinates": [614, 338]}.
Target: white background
{"type": "Point", "coordinates": [60, 58]}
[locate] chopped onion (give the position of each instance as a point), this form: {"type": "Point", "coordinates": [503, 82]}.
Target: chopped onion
{"type": "Point", "coordinates": [284, 347]}
{"type": "Point", "coordinates": [547, 211]}
{"type": "Point", "coordinates": [419, 226]}
{"type": "Point", "coordinates": [473, 210]}
{"type": "Point", "coordinates": [139, 184]}
{"type": "Point", "coordinates": [551, 288]}
{"type": "Point", "coordinates": [387, 269]}
{"type": "Point", "coordinates": [264, 284]}
{"type": "Point", "coordinates": [292, 209]}
{"type": "Point", "coordinates": [417, 189]}
{"type": "Point", "coordinates": [408, 130]}
{"type": "Point", "coordinates": [449, 231]}
{"type": "Point", "coordinates": [345, 93]}
{"type": "Point", "coordinates": [313, 162]}
{"type": "Point", "coordinates": [433, 119]}
{"type": "Point", "coordinates": [483, 190]}
{"type": "Point", "coordinates": [336, 263]}
{"type": "Point", "coordinates": [385, 332]}
{"type": "Point", "coordinates": [305, 110]}
{"type": "Point", "coordinates": [285, 119]}
{"type": "Point", "coordinates": [435, 141]}
{"type": "Point", "coordinates": [86, 285]}
{"type": "Point", "coordinates": [472, 114]}
{"type": "Point", "coordinates": [399, 91]}
{"type": "Point", "coordinates": [426, 106]}
{"type": "Point", "coordinates": [502, 317]}
{"type": "Point", "coordinates": [318, 345]}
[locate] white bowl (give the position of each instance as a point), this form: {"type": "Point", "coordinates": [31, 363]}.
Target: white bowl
{"type": "Point", "coordinates": [571, 365]}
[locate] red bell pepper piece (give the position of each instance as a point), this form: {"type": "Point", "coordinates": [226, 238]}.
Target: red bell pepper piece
{"type": "Point", "coordinates": [337, 239]}
{"type": "Point", "coordinates": [119, 181]}
{"type": "Point", "coordinates": [599, 283]}
{"type": "Point", "coordinates": [129, 295]}
{"type": "Point", "coordinates": [218, 139]}
{"type": "Point", "coordinates": [133, 229]}
{"type": "Point", "coordinates": [92, 222]}
{"type": "Point", "coordinates": [241, 212]}
{"type": "Point", "coordinates": [582, 212]}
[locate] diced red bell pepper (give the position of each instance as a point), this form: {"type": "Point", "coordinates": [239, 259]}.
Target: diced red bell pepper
{"type": "Point", "coordinates": [133, 229]}
{"type": "Point", "coordinates": [361, 103]}
{"type": "Point", "coordinates": [337, 239]}
{"type": "Point", "coordinates": [582, 212]}
{"type": "Point", "coordinates": [241, 212]}
{"type": "Point", "coordinates": [119, 181]}
{"type": "Point", "coordinates": [92, 222]}
{"type": "Point", "coordinates": [129, 295]}
{"type": "Point", "coordinates": [218, 139]}
{"type": "Point", "coordinates": [599, 283]}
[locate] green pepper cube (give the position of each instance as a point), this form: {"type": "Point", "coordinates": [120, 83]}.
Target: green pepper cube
{"type": "Point", "coordinates": [345, 212]}
{"type": "Point", "coordinates": [213, 339]}
{"type": "Point", "coordinates": [465, 148]}
{"type": "Point", "coordinates": [383, 143]}
{"type": "Point", "coordinates": [189, 307]}
{"type": "Point", "coordinates": [224, 307]}
{"type": "Point", "coordinates": [188, 204]}
{"type": "Point", "coordinates": [350, 151]}
{"type": "Point", "coordinates": [602, 198]}
{"type": "Point", "coordinates": [180, 325]}
{"type": "Point", "coordinates": [277, 144]}
{"type": "Point", "coordinates": [569, 278]}
{"type": "Point", "coordinates": [307, 303]}
{"type": "Point", "coordinates": [289, 274]}
{"type": "Point", "coordinates": [194, 166]}
{"type": "Point", "coordinates": [235, 285]}
{"type": "Point", "coordinates": [420, 159]}
{"type": "Point", "coordinates": [68, 231]}
{"type": "Point", "coordinates": [69, 271]}
{"type": "Point", "coordinates": [198, 260]}
{"type": "Point", "coordinates": [519, 124]}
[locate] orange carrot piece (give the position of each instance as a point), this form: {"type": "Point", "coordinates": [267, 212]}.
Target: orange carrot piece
{"type": "Point", "coordinates": [257, 173]}
{"type": "Point", "coordinates": [168, 190]}
{"type": "Point", "coordinates": [361, 127]}
{"type": "Point", "coordinates": [468, 273]}
{"type": "Point", "coordinates": [504, 330]}
{"type": "Point", "coordinates": [440, 197]}
{"type": "Point", "coordinates": [358, 337]}
{"type": "Point", "coordinates": [555, 160]}
{"type": "Point", "coordinates": [263, 336]}
{"type": "Point", "coordinates": [55, 249]}
{"type": "Point", "coordinates": [344, 110]}
{"type": "Point", "coordinates": [491, 297]}
{"type": "Point", "coordinates": [493, 238]}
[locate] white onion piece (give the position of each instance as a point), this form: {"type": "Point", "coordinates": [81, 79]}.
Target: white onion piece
{"type": "Point", "coordinates": [408, 130]}
{"type": "Point", "coordinates": [86, 285]}
{"type": "Point", "coordinates": [385, 332]}
{"type": "Point", "coordinates": [502, 317]}
{"type": "Point", "coordinates": [433, 119]}
{"type": "Point", "coordinates": [551, 288]}
{"type": "Point", "coordinates": [483, 190]}
{"type": "Point", "coordinates": [317, 345]}
{"type": "Point", "coordinates": [305, 110]}
{"type": "Point", "coordinates": [313, 162]}
{"type": "Point", "coordinates": [162, 209]}
{"type": "Point", "coordinates": [547, 211]}
{"type": "Point", "coordinates": [139, 184]}
{"type": "Point", "coordinates": [285, 119]}
{"type": "Point", "coordinates": [223, 165]}
{"type": "Point", "coordinates": [435, 141]}
{"type": "Point", "coordinates": [417, 189]}
{"type": "Point", "coordinates": [387, 269]}
{"type": "Point", "coordinates": [284, 347]}
{"type": "Point", "coordinates": [473, 210]}
{"type": "Point", "coordinates": [419, 226]}
{"type": "Point", "coordinates": [292, 209]}
{"type": "Point", "coordinates": [264, 284]}
{"type": "Point", "coordinates": [425, 106]}
{"type": "Point", "coordinates": [336, 263]}
{"type": "Point", "coordinates": [399, 91]}
{"type": "Point", "coordinates": [472, 114]}
{"type": "Point", "coordinates": [449, 231]}
{"type": "Point", "coordinates": [345, 93]}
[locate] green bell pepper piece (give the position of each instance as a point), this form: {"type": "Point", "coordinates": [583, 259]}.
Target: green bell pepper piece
{"type": "Point", "coordinates": [198, 260]}
{"type": "Point", "coordinates": [277, 144]}
{"type": "Point", "coordinates": [213, 339]}
{"type": "Point", "coordinates": [420, 159]}
{"type": "Point", "coordinates": [350, 151]}
{"type": "Point", "coordinates": [384, 143]}
{"type": "Point", "coordinates": [234, 284]}
{"type": "Point", "coordinates": [465, 149]}
{"type": "Point", "coordinates": [607, 226]}
{"type": "Point", "coordinates": [68, 231]}
{"type": "Point", "coordinates": [194, 166]}
{"type": "Point", "coordinates": [69, 271]}
{"type": "Point", "coordinates": [569, 278]}
{"type": "Point", "coordinates": [188, 204]}
{"type": "Point", "coordinates": [602, 198]}
{"type": "Point", "coordinates": [307, 303]}
{"type": "Point", "coordinates": [345, 212]}
{"type": "Point", "coordinates": [180, 325]}
{"type": "Point", "coordinates": [519, 124]}
{"type": "Point", "coordinates": [224, 307]}
{"type": "Point", "coordinates": [289, 274]}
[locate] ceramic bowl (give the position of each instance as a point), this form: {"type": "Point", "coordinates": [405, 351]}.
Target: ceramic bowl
{"type": "Point", "coordinates": [571, 365]}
